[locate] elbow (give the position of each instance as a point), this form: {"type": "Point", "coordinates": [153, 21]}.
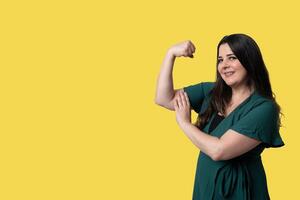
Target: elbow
{"type": "Point", "coordinates": [217, 155]}
{"type": "Point", "coordinates": [157, 102]}
{"type": "Point", "coordinates": [160, 102]}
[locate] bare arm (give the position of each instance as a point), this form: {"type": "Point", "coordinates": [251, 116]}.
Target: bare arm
{"type": "Point", "coordinates": [165, 93]}
{"type": "Point", "coordinates": [230, 145]}
{"type": "Point", "coordinates": [165, 90]}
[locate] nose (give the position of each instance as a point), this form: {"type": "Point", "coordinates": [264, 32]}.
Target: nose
{"type": "Point", "coordinates": [225, 64]}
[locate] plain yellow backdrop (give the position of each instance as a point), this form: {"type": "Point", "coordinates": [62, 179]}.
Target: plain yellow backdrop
{"type": "Point", "coordinates": [77, 85]}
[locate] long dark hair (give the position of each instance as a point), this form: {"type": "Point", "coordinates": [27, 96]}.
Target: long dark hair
{"type": "Point", "coordinates": [248, 53]}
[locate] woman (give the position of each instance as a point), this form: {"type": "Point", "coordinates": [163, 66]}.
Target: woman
{"type": "Point", "coordinates": [238, 118]}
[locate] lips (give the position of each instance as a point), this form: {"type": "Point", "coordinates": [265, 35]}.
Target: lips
{"type": "Point", "coordinates": [229, 73]}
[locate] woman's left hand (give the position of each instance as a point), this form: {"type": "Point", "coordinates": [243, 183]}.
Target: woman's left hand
{"type": "Point", "coordinates": [182, 109]}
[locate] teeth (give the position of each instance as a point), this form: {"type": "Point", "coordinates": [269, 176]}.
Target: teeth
{"type": "Point", "coordinates": [229, 73]}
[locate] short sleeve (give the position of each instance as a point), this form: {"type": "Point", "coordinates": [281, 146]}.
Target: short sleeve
{"type": "Point", "coordinates": [197, 93]}
{"type": "Point", "coordinates": [261, 123]}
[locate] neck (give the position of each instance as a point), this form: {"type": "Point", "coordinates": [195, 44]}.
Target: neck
{"type": "Point", "coordinates": [240, 92]}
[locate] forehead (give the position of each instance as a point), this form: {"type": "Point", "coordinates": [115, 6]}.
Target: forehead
{"type": "Point", "coordinates": [224, 49]}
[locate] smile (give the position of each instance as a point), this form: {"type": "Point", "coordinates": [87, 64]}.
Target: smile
{"type": "Point", "coordinates": [227, 74]}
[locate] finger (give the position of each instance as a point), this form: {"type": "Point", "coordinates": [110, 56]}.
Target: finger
{"type": "Point", "coordinates": [180, 104]}
{"type": "Point", "coordinates": [194, 48]}
{"type": "Point", "coordinates": [183, 100]}
{"type": "Point", "coordinates": [176, 104]}
{"type": "Point", "coordinates": [187, 99]}
{"type": "Point", "coordinates": [191, 48]}
{"type": "Point", "coordinates": [190, 53]}
{"type": "Point", "coordinates": [187, 52]}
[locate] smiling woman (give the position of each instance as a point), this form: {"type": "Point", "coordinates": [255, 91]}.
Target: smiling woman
{"type": "Point", "coordinates": [238, 117]}
{"type": "Point", "coordinates": [230, 68]}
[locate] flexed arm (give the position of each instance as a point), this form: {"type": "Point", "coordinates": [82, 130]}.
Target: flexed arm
{"type": "Point", "coordinates": [165, 93]}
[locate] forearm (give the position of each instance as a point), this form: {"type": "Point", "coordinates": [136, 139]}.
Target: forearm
{"type": "Point", "coordinates": [165, 88]}
{"type": "Point", "coordinates": [208, 144]}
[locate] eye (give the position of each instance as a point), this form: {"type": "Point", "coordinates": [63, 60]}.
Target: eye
{"type": "Point", "coordinates": [232, 58]}
{"type": "Point", "coordinates": [220, 60]}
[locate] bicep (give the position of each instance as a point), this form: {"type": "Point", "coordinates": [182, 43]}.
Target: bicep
{"type": "Point", "coordinates": [170, 105]}
{"type": "Point", "coordinates": [234, 144]}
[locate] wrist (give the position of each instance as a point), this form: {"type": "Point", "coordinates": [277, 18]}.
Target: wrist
{"type": "Point", "coordinates": [186, 125]}
{"type": "Point", "coordinates": [170, 53]}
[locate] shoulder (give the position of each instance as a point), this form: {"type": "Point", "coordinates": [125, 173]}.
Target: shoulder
{"type": "Point", "coordinates": [203, 87]}
{"type": "Point", "coordinates": [208, 86]}
{"type": "Point", "coordinates": [261, 106]}
{"type": "Point", "coordinates": [262, 102]}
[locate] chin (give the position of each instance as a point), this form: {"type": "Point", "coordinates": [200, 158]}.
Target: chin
{"type": "Point", "coordinates": [230, 83]}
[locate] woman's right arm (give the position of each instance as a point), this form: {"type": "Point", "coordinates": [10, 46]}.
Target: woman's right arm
{"type": "Point", "coordinates": [165, 93]}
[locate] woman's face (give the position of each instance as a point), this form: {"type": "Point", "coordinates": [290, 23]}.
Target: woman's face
{"type": "Point", "coordinates": [230, 68]}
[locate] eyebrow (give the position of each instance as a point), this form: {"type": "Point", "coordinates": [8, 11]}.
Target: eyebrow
{"type": "Point", "coordinates": [230, 54]}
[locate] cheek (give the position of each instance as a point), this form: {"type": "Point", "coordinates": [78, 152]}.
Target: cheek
{"type": "Point", "coordinates": [239, 67]}
{"type": "Point", "coordinates": [219, 69]}
{"type": "Point", "coordinates": [242, 74]}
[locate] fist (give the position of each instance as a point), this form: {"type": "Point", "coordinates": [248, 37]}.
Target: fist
{"type": "Point", "coordinates": [186, 49]}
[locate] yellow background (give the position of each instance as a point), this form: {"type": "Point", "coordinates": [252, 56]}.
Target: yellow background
{"type": "Point", "coordinates": [77, 85]}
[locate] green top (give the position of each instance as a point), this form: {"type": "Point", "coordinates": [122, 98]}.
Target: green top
{"type": "Point", "coordinates": [243, 177]}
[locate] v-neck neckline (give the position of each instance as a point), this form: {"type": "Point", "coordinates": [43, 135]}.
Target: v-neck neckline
{"type": "Point", "coordinates": [238, 106]}
{"type": "Point", "coordinates": [231, 113]}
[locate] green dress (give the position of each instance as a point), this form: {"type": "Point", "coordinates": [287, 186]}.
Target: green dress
{"type": "Point", "coordinates": [243, 177]}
